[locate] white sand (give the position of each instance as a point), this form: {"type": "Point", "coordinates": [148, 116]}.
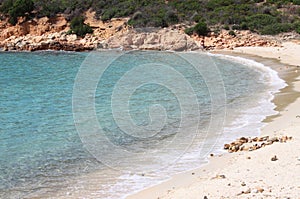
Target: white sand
{"type": "Point", "coordinates": [278, 179]}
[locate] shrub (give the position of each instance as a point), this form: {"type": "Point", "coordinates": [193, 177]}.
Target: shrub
{"type": "Point", "coordinates": [226, 27]}
{"type": "Point", "coordinates": [6, 5]}
{"type": "Point", "coordinates": [276, 28]}
{"type": "Point", "coordinates": [296, 2]}
{"type": "Point", "coordinates": [232, 33]}
{"type": "Point", "coordinates": [78, 26]}
{"type": "Point", "coordinates": [201, 29]}
{"type": "Point", "coordinates": [171, 18]}
{"type": "Point", "coordinates": [197, 18]}
{"type": "Point", "coordinates": [19, 8]}
{"type": "Point", "coordinates": [296, 27]}
{"type": "Point", "coordinates": [298, 30]}
{"type": "Point", "coordinates": [244, 26]}
{"type": "Point", "coordinates": [189, 31]}
{"type": "Point", "coordinates": [260, 21]}
{"type": "Point", "coordinates": [236, 27]}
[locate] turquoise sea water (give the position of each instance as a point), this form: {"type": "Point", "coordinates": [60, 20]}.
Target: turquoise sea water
{"type": "Point", "coordinates": [43, 152]}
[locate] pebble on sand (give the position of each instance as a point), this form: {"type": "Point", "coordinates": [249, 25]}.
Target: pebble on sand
{"type": "Point", "coordinates": [274, 158]}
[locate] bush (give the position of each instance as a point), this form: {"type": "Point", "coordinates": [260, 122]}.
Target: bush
{"type": "Point", "coordinates": [6, 5]}
{"type": "Point", "coordinates": [244, 26]}
{"type": "Point", "coordinates": [171, 18]}
{"type": "Point", "coordinates": [17, 9]}
{"type": "Point", "coordinates": [276, 28]}
{"type": "Point", "coordinates": [232, 33]}
{"type": "Point", "coordinates": [236, 27]}
{"type": "Point", "coordinates": [298, 30]}
{"type": "Point", "coordinates": [79, 28]}
{"type": "Point", "coordinates": [189, 31]}
{"type": "Point", "coordinates": [201, 29]}
{"type": "Point", "coordinates": [296, 27]}
{"type": "Point", "coordinates": [296, 2]}
{"type": "Point", "coordinates": [226, 27]}
{"type": "Point", "coordinates": [260, 21]}
{"type": "Point", "coordinates": [197, 18]}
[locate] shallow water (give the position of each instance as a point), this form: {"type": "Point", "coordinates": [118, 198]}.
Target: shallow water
{"type": "Point", "coordinates": [120, 122]}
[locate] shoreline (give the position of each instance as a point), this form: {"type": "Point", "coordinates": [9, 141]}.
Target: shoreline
{"type": "Point", "coordinates": [184, 179]}
{"type": "Point", "coordinates": [200, 182]}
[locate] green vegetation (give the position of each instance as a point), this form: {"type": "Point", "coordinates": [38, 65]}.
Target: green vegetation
{"type": "Point", "coordinates": [78, 26]}
{"type": "Point", "coordinates": [17, 9]}
{"type": "Point", "coordinates": [265, 17]}
{"type": "Point", "coordinates": [232, 33]}
{"type": "Point", "coordinates": [200, 29]}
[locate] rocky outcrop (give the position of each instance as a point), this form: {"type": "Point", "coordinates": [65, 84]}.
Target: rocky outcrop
{"type": "Point", "coordinates": [50, 34]}
{"type": "Point", "coordinates": [52, 41]}
{"type": "Point", "coordinates": [34, 27]}
{"type": "Point", "coordinates": [224, 40]}
{"type": "Point", "coordinates": [155, 39]}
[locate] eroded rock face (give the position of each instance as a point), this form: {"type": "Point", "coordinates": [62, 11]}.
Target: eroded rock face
{"type": "Point", "coordinates": [164, 39]}
{"type": "Point", "coordinates": [50, 33]}
{"type": "Point", "coordinates": [34, 27]}
{"type": "Point", "coordinates": [224, 40]}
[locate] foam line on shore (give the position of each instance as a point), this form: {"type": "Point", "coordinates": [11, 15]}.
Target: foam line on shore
{"type": "Point", "coordinates": [250, 115]}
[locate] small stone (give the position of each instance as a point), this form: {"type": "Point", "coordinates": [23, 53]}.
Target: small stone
{"type": "Point", "coordinates": [205, 197]}
{"type": "Point", "coordinates": [274, 158]}
{"type": "Point", "coordinates": [219, 177]}
{"type": "Point", "coordinates": [243, 184]}
{"type": "Point", "coordinates": [259, 189]}
{"type": "Point", "coordinates": [243, 139]}
{"type": "Point", "coordinates": [226, 146]}
{"type": "Point", "coordinates": [248, 157]}
{"type": "Point", "coordinates": [211, 155]}
{"type": "Point", "coordinates": [247, 191]}
{"type": "Point", "coordinates": [265, 138]}
{"type": "Point", "coordinates": [193, 173]}
{"type": "Point", "coordinates": [244, 192]}
{"type": "Point", "coordinates": [275, 139]}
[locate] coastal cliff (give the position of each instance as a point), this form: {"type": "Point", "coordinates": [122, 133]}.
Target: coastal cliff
{"type": "Point", "coordinates": [52, 34]}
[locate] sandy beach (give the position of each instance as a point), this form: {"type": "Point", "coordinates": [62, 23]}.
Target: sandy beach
{"type": "Point", "coordinates": [252, 174]}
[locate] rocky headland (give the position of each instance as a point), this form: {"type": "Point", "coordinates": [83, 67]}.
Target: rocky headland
{"type": "Point", "coordinates": [52, 34]}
